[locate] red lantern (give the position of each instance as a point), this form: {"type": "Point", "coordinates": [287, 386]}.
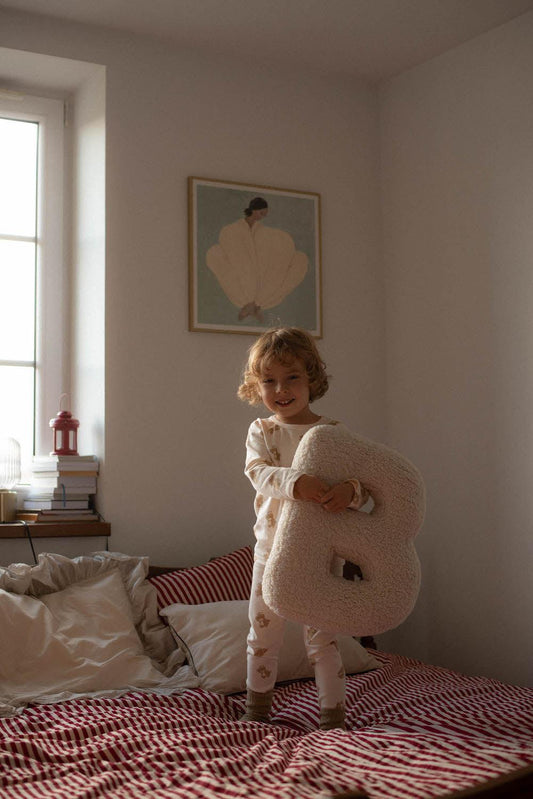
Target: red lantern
{"type": "Point", "coordinates": [65, 429]}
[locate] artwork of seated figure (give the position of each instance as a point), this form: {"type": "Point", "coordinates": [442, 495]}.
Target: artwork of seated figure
{"type": "Point", "coordinates": [257, 266]}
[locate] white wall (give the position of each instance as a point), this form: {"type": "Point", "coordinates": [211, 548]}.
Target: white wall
{"type": "Point", "coordinates": [174, 431]}
{"type": "Point", "coordinates": [86, 113]}
{"type": "Point", "coordinates": [457, 192]}
{"type": "Point", "coordinates": [457, 171]}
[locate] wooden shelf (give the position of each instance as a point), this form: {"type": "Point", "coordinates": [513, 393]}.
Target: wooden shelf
{"type": "Point", "coordinates": [55, 529]}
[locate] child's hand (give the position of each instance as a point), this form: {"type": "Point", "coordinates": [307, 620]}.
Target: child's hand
{"type": "Point", "coordinates": [310, 488]}
{"type": "Point", "coordinates": [338, 498]}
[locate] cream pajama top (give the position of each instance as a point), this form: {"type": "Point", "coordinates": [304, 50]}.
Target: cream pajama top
{"type": "Point", "coordinates": [270, 449]}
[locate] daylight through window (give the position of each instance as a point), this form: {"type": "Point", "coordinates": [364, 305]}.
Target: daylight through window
{"type": "Point", "coordinates": [19, 167]}
{"type": "Point", "coordinates": [33, 286]}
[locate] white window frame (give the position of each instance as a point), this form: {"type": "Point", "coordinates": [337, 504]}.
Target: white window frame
{"type": "Point", "coordinates": [52, 290]}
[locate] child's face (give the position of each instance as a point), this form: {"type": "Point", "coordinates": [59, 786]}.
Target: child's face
{"type": "Point", "coordinates": [284, 390]}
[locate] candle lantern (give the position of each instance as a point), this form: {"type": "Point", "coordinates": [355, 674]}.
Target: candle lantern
{"type": "Point", "coordinates": [65, 429]}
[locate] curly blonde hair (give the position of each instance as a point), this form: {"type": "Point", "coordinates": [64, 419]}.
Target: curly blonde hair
{"type": "Point", "coordinates": [284, 345]}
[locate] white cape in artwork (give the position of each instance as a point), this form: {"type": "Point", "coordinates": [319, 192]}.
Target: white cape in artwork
{"type": "Point", "coordinates": [256, 267]}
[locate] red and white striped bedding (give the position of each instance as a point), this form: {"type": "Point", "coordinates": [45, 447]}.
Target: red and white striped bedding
{"type": "Point", "coordinates": [417, 731]}
{"type": "Point", "coordinates": [219, 580]}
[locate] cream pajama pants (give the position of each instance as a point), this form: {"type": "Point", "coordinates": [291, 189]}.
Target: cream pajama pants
{"type": "Point", "coordinates": [264, 642]}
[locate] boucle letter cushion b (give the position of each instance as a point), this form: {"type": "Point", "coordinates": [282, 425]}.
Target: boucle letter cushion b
{"type": "Point", "coordinates": [298, 582]}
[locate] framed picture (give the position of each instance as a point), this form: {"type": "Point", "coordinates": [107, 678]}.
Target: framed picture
{"type": "Point", "coordinates": [254, 258]}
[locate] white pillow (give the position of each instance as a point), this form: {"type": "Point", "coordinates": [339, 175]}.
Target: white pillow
{"type": "Point", "coordinates": [78, 640]}
{"type": "Point", "coordinates": [213, 636]}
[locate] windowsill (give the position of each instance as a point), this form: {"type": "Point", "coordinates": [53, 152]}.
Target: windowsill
{"type": "Point", "coordinates": [54, 529]}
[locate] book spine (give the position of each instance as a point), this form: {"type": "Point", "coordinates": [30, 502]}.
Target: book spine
{"type": "Point", "coordinates": [81, 483]}
{"type": "Point", "coordinates": [41, 474]}
{"type": "Point", "coordinates": [56, 504]}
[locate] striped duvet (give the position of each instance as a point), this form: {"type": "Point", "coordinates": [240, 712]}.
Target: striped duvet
{"type": "Point", "coordinates": [416, 731]}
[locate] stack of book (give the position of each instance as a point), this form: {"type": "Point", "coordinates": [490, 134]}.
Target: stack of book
{"type": "Point", "coordinates": [61, 488]}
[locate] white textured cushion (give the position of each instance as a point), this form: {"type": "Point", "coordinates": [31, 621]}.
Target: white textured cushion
{"type": "Point", "coordinates": [298, 582]}
{"type": "Point", "coordinates": [79, 640]}
{"type": "Point", "coordinates": [214, 637]}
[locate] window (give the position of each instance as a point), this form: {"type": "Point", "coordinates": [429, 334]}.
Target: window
{"type": "Point", "coordinates": [32, 313]}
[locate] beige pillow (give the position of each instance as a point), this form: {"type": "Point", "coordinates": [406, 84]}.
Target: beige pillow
{"type": "Point", "coordinates": [298, 582]}
{"type": "Point", "coordinates": [213, 635]}
{"type": "Point", "coordinates": [70, 642]}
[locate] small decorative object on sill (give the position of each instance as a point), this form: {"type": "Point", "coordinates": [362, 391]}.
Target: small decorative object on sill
{"type": "Point", "coordinates": [65, 429]}
{"type": "Point", "coordinates": [9, 477]}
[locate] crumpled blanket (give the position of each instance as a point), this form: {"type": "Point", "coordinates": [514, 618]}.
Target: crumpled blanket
{"type": "Point", "coordinates": [54, 573]}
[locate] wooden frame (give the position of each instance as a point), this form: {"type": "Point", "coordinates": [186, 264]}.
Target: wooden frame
{"type": "Point", "coordinates": [246, 278]}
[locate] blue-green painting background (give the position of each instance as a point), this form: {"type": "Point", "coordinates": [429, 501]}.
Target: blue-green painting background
{"type": "Point", "coordinates": [217, 206]}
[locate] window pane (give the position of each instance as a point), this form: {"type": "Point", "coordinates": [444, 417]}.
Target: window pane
{"type": "Point", "coordinates": [18, 167]}
{"type": "Point", "coordinates": [17, 289]}
{"type": "Point", "coordinates": [16, 408]}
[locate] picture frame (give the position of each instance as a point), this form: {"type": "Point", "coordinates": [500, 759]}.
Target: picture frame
{"type": "Point", "coordinates": [251, 269]}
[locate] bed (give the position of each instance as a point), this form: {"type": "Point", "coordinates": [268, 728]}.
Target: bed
{"type": "Point", "coordinates": [147, 695]}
